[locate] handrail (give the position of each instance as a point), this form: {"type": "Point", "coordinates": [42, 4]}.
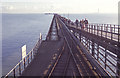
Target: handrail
{"type": "Point", "coordinates": [108, 32]}
{"type": "Point", "coordinates": [24, 61]}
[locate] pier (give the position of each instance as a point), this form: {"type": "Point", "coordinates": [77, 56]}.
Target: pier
{"type": "Point", "coordinates": [73, 51]}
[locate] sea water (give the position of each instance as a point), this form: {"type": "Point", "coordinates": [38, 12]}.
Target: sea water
{"type": "Point", "coordinates": [20, 29]}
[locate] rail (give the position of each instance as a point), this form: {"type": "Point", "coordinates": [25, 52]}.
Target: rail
{"type": "Point", "coordinates": [109, 31]}
{"type": "Point", "coordinates": [108, 59]}
{"type": "Point", "coordinates": [104, 57]}
{"type": "Point", "coordinates": [20, 67]}
{"type": "Point", "coordinates": [62, 59]}
{"type": "Point", "coordinates": [82, 63]}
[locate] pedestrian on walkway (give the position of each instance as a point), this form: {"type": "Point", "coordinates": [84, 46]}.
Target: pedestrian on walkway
{"type": "Point", "coordinates": [69, 22]}
{"type": "Point", "coordinates": [86, 22]}
{"type": "Point", "coordinates": [76, 23]}
{"type": "Point", "coordinates": [82, 24]}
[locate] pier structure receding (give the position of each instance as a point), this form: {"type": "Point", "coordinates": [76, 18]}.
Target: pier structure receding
{"type": "Point", "coordinates": [71, 50]}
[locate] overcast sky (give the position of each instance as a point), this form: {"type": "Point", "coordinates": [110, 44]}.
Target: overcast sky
{"type": "Point", "coordinates": [60, 6]}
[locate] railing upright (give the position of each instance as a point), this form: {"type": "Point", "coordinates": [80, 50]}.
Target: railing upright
{"type": "Point", "coordinates": [109, 34]}
{"type": "Point", "coordinates": [101, 30]}
{"type": "Point", "coordinates": [19, 69]}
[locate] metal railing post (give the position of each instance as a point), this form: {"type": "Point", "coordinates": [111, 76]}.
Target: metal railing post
{"type": "Point", "coordinates": [80, 37]}
{"type": "Point", "coordinates": [28, 59]}
{"type": "Point", "coordinates": [24, 63]}
{"type": "Point", "coordinates": [98, 30]}
{"type": "Point", "coordinates": [114, 28]}
{"type": "Point", "coordinates": [19, 69]}
{"type": "Point", "coordinates": [31, 55]}
{"type": "Point", "coordinates": [106, 30]}
{"type": "Point", "coordinates": [94, 29]}
{"type": "Point", "coordinates": [101, 30]}
{"type": "Point", "coordinates": [105, 58]}
{"type": "Point", "coordinates": [93, 46]}
{"type": "Point", "coordinates": [98, 52]}
{"type": "Point", "coordinates": [111, 33]}
{"type": "Point", "coordinates": [89, 28]}
{"type": "Point", "coordinates": [14, 73]}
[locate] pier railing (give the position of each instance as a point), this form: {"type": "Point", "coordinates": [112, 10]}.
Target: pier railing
{"type": "Point", "coordinates": [107, 59]}
{"type": "Point", "coordinates": [109, 31]}
{"type": "Point", "coordinates": [20, 67]}
{"type": "Point", "coordinates": [102, 42]}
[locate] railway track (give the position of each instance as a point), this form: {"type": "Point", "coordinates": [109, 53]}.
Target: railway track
{"type": "Point", "coordinates": [82, 63]}
{"type": "Point", "coordinates": [64, 64]}
{"type": "Point", "coordinates": [71, 61]}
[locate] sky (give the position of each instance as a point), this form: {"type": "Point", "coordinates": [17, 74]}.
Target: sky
{"type": "Point", "coordinates": [59, 6]}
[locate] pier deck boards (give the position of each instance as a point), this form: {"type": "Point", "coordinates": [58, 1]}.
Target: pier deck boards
{"type": "Point", "coordinates": [42, 59]}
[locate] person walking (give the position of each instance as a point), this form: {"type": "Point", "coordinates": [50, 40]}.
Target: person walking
{"type": "Point", "coordinates": [86, 22]}
{"type": "Point", "coordinates": [82, 23]}
{"type": "Point", "coordinates": [76, 23]}
{"type": "Point", "coordinates": [69, 21]}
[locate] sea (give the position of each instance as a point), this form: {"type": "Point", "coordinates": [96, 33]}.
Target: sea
{"type": "Point", "coordinates": [24, 29]}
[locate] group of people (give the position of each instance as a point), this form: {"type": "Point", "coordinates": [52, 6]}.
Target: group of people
{"type": "Point", "coordinates": [83, 23]}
